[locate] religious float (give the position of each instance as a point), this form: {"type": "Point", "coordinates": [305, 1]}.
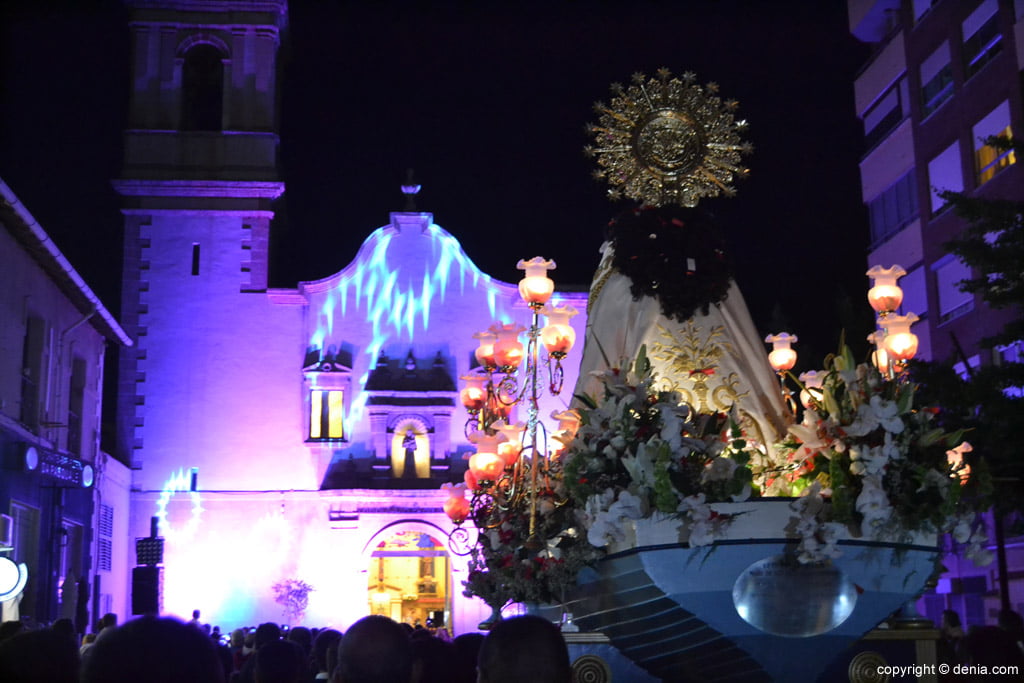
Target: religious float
{"type": "Point", "coordinates": [700, 514]}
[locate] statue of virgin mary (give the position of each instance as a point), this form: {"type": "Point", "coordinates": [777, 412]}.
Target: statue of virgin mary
{"type": "Point", "coordinates": [664, 280]}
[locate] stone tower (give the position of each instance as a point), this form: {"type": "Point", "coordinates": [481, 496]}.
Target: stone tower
{"type": "Point", "coordinates": [197, 184]}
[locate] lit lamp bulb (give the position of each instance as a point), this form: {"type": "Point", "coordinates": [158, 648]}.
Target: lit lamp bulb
{"type": "Point", "coordinates": [473, 395]}
{"type": "Point", "coordinates": [536, 287]}
{"type": "Point", "coordinates": [560, 442]}
{"type": "Point", "coordinates": [470, 479]}
{"type": "Point", "coordinates": [456, 507]}
{"type": "Point", "coordinates": [485, 348]}
{"type": "Point", "coordinates": [781, 357]}
{"type": "Point", "coordinates": [510, 447]}
{"type": "Point", "coordinates": [486, 465]}
{"type": "Point", "coordinates": [955, 458]}
{"type": "Point", "coordinates": [879, 357]}
{"type": "Point", "coordinates": [900, 342]}
{"type": "Point", "coordinates": [885, 296]}
{"type": "Point", "coordinates": [812, 381]}
{"type": "Point", "coordinates": [558, 336]}
{"type": "Point", "coordinates": [508, 350]}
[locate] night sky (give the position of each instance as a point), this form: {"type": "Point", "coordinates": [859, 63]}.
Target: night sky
{"type": "Point", "coordinates": [487, 102]}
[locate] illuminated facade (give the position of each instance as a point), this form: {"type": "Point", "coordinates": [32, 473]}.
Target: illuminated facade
{"type": "Point", "coordinates": [282, 433]}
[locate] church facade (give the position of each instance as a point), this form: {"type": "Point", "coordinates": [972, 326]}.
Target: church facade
{"type": "Point", "coordinates": [282, 435]}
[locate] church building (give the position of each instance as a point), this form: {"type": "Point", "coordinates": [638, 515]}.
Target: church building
{"type": "Point", "coordinates": [282, 436]}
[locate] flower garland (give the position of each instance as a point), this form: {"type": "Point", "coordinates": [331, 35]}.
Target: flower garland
{"type": "Point", "coordinates": [673, 254]}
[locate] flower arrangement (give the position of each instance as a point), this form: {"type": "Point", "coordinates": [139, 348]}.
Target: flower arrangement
{"type": "Point", "coordinates": [862, 461]}
{"type": "Point", "coordinates": [508, 566]}
{"type": "Point", "coordinates": [640, 450]}
{"type": "Point", "coordinates": [293, 595]}
{"type": "Point", "coordinates": [887, 470]}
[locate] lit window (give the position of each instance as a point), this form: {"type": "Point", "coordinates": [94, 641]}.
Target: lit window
{"type": "Point", "coordinates": [945, 173]}
{"type": "Point", "coordinates": [989, 160]}
{"type": "Point", "coordinates": [982, 39]}
{"type": "Point", "coordinates": [326, 409]}
{"type": "Point", "coordinates": [936, 80]}
{"type": "Point", "coordinates": [952, 302]}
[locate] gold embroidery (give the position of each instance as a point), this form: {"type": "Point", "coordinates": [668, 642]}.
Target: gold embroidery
{"type": "Point", "coordinates": [694, 362]}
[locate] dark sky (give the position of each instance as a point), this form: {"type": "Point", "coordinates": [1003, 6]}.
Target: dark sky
{"type": "Point", "coordinates": [487, 101]}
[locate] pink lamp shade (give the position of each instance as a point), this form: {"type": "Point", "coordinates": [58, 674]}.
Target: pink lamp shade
{"type": "Point", "coordinates": [781, 357]}
{"type": "Point", "coordinates": [536, 287]}
{"type": "Point", "coordinates": [558, 336]}
{"type": "Point", "coordinates": [885, 296]}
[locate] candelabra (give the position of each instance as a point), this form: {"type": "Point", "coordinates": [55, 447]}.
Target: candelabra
{"type": "Point", "coordinates": [895, 345]}
{"type": "Point", "coordinates": [516, 467]}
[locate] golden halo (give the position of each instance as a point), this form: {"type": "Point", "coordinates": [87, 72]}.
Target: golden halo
{"type": "Point", "coordinates": [666, 140]}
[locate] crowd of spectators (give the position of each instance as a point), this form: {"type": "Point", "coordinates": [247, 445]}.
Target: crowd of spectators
{"type": "Point", "coordinates": [374, 649]}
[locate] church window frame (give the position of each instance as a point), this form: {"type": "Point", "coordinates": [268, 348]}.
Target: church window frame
{"type": "Point", "coordinates": [328, 396]}
{"type": "Point", "coordinates": [202, 62]}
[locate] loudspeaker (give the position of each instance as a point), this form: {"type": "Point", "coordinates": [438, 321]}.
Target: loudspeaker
{"type": "Point", "coordinates": [147, 590]}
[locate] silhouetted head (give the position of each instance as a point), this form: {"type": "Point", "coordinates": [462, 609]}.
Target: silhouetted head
{"type": "Point", "coordinates": [44, 656]}
{"type": "Point", "coordinates": [153, 650]}
{"type": "Point", "coordinates": [375, 650]}
{"type": "Point", "coordinates": [321, 645]}
{"type": "Point", "coordinates": [525, 648]}
{"type": "Point", "coordinates": [267, 633]}
{"type": "Point", "coordinates": [279, 662]}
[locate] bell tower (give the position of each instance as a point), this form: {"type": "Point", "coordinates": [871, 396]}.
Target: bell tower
{"type": "Point", "coordinates": [197, 183]}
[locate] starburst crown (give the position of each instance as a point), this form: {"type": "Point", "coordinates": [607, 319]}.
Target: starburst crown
{"type": "Point", "coordinates": [666, 140]}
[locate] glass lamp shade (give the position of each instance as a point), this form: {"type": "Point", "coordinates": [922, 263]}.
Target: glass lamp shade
{"type": "Point", "coordinates": [485, 348]}
{"type": "Point", "coordinates": [781, 357]}
{"type": "Point", "coordinates": [509, 448]}
{"type": "Point", "coordinates": [885, 296]}
{"type": "Point", "coordinates": [900, 342]}
{"type": "Point", "coordinates": [812, 381]}
{"type": "Point", "coordinates": [474, 394]}
{"type": "Point", "coordinates": [456, 507]}
{"type": "Point", "coordinates": [536, 287]}
{"type": "Point", "coordinates": [558, 336]}
{"type": "Point", "coordinates": [508, 350]}
{"type": "Point", "coordinates": [879, 357]}
{"type": "Point", "coordinates": [568, 421]}
{"type": "Point", "coordinates": [955, 458]}
{"type": "Point", "coordinates": [470, 479]}
{"type": "Point", "coordinates": [486, 465]}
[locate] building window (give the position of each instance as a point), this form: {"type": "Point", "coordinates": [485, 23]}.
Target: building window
{"type": "Point", "coordinates": [105, 545]}
{"type": "Point", "coordinates": [894, 208]}
{"type": "Point", "coordinates": [989, 160]}
{"type": "Point", "coordinates": [921, 7]}
{"type": "Point", "coordinates": [326, 412]}
{"type": "Point", "coordinates": [945, 174]}
{"type": "Point", "coordinates": [32, 371]}
{"type": "Point", "coordinates": [884, 115]}
{"type": "Point", "coordinates": [76, 405]}
{"type": "Point", "coordinates": [952, 302]}
{"type": "Point", "coordinates": [982, 39]}
{"type": "Point", "coordinates": [202, 89]}
{"type": "Point", "coordinates": [936, 80]}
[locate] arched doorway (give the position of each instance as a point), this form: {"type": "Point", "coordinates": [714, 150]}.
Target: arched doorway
{"type": "Point", "coordinates": [409, 578]}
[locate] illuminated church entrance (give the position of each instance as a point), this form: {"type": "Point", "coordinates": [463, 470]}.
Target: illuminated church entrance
{"type": "Point", "coordinates": [409, 580]}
